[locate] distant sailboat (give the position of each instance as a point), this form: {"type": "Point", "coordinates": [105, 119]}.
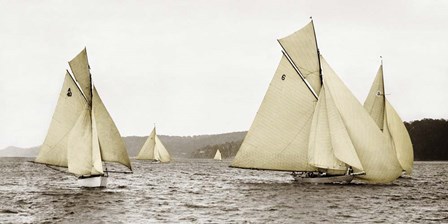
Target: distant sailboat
{"type": "Point", "coordinates": [153, 149]}
{"type": "Point", "coordinates": [311, 124]}
{"type": "Point", "coordinates": [82, 135]}
{"type": "Point", "coordinates": [390, 122]}
{"type": "Point", "coordinates": [217, 155]}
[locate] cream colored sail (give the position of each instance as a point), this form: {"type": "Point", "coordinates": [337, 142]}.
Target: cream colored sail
{"type": "Point", "coordinates": [400, 138]}
{"type": "Point", "coordinates": [153, 149]}
{"type": "Point", "coordinates": [393, 128]}
{"type": "Point", "coordinates": [81, 72]}
{"type": "Point", "coordinates": [160, 151]}
{"type": "Point", "coordinates": [343, 147]}
{"type": "Point", "coordinates": [320, 151]}
{"type": "Point", "coordinates": [375, 154]}
{"type": "Point", "coordinates": [301, 46]}
{"type": "Point", "coordinates": [218, 155]}
{"type": "Point", "coordinates": [147, 151]}
{"type": "Point", "coordinates": [278, 137]}
{"type": "Point", "coordinates": [112, 145]}
{"type": "Point", "coordinates": [81, 152]}
{"type": "Point", "coordinates": [375, 101]}
{"type": "Point", "coordinates": [68, 109]}
{"type": "Point", "coordinates": [82, 134]}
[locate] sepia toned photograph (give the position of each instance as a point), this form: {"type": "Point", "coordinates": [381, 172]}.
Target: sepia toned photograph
{"type": "Point", "coordinates": [226, 111]}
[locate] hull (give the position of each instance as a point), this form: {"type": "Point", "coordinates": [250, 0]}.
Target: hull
{"type": "Point", "coordinates": [96, 181]}
{"type": "Point", "coordinates": [343, 179]}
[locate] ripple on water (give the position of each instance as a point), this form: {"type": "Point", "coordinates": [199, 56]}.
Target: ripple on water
{"type": "Point", "coordinates": [201, 191]}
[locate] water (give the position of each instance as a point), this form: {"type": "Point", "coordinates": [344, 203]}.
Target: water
{"type": "Point", "coordinates": [208, 191]}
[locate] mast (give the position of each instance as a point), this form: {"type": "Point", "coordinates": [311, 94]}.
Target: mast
{"type": "Point", "coordinates": [298, 71]}
{"type": "Point", "coordinates": [318, 52]}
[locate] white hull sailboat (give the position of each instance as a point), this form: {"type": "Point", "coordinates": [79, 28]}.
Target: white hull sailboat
{"type": "Point", "coordinates": [217, 155]}
{"type": "Point", "coordinates": [309, 123]}
{"type": "Point", "coordinates": [82, 135]}
{"type": "Point", "coordinates": [154, 150]}
{"type": "Point", "coordinates": [92, 181]}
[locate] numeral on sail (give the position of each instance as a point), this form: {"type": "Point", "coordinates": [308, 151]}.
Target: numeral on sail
{"type": "Point", "coordinates": [283, 77]}
{"type": "Point", "coordinates": [69, 92]}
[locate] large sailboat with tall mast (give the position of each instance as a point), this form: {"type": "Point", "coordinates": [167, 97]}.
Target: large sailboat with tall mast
{"type": "Point", "coordinates": [154, 150]}
{"type": "Point", "coordinates": [389, 122]}
{"type": "Point", "coordinates": [310, 124]}
{"type": "Point", "coordinates": [82, 135]}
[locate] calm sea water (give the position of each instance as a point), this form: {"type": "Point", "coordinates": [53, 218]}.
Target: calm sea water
{"type": "Point", "coordinates": [208, 191]}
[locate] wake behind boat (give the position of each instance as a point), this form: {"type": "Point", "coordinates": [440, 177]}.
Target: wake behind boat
{"type": "Point", "coordinates": [82, 135]}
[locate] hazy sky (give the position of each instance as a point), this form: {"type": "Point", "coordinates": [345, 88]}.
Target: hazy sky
{"type": "Point", "coordinates": [203, 67]}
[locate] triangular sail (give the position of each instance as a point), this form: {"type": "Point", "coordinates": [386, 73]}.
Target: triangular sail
{"type": "Point", "coordinates": [160, 152]}
{"type": "Point", "coordinates": [278, 137]}
{"type": "Point", "coordinates": [68, 109]}
{"type": "Point", "coordinates": [375, 101]}
{"type": "Point", "coordinates": [81, 160]}
{"type": "Point", "coordinates": [147, 151]}
{"type": "Point", "coordinates": [301, 46]}
{"type": "Point", "coordinates": [400, 138]}
{"type": "Point", "coordinates": [343, 147]}
{"type": "Point", "coordinates": [378, 159]}
{"type": "Point", "coordinates": [81, 72]}
{"type": "Point", "coordinates": [392, 126]}
{"type": "Point", "coordinates": [217, 155]}
{"type": "Point", "coordinates": [320, 151]}
{"type": "Point", "coordinates": [153, 149]}
{"type": "Point", "coordinates": [112, 145]}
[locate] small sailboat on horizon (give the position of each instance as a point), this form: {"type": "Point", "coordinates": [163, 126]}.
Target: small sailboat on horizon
{"type": "Point", "coordinates": [217, 155]}
{"type": "Point", "coordinates": [82, 135]}
{"type": "Point", "coordinates": [153, 149]}
{"type": "Point", "coordinates": [309, 123]}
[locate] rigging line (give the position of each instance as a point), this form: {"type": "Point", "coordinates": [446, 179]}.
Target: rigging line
{"type": "Point", "coordinates": [78, 86]}
{"type": "Point", "coordinates": [53, 167]}
{"type": "Point", "coordinates": [318, 52]}
{"type": "Point", "coordinates": [298, 71]}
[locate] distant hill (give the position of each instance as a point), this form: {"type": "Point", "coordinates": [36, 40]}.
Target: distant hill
{"type": "Point", "coordinates": [228, 150]}
{"type": "Point", "coordinates": [13, 151]}
{"type": "Point", "coordinates": [183, 146]}
{"type": "Point", "coordinates": [178, 146]}
{"type": "Point", "coordinates": [429, 138]}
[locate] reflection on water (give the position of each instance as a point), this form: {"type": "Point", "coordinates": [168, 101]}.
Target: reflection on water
{"type": "Point", "coordinates": [189, 190]}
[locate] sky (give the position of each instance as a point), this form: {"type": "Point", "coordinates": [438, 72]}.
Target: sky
{"type": "Point", "coordinates": [202, 67]}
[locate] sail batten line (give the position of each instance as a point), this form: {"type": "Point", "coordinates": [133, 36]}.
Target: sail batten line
{"type": "Point", "coordinates": [298, 71]}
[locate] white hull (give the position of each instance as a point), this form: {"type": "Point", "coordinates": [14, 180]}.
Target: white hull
{"type": "Point", "coordinates": [343, 179]}
{"type": "Point", "coordinates": [97, 181]}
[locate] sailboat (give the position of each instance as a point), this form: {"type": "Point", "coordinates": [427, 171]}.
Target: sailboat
{"type": "Point", "coordinates": [310, 124]}
{"type": "Point", "coordinates": [82, 135]}
{"type": "Point", "coordinates": [217, 155]}
{"type": "Point", "coordinates": [154, 150]}
{"type": "Point", "coordinates": [389, 122]}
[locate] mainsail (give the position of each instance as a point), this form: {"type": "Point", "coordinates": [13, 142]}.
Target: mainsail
{"type": "Point", "coordinates": [82, 134]}
{"type": "Point", "coordinates": [390, 122]}
{"type": "Point", "coordinates": [278, 137]}
{"type": "Point", "coordinates": [153, 149]}
{"type": "Point", "coordinates": [323, 128]}
{"type": "Point", "coordinates": [217, 155]}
